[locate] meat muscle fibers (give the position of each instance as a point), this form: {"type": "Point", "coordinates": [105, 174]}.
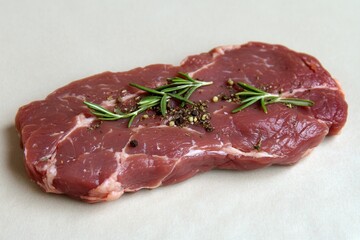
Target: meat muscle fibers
{"type": "Point", "coordinates": [70, 151]}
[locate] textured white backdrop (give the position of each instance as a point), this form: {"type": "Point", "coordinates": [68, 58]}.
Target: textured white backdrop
{"type": "Point", "coordinates": [46, 44]}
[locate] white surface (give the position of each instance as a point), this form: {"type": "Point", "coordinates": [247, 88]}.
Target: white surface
{"type": "Point", "coordinates": [46, 44]}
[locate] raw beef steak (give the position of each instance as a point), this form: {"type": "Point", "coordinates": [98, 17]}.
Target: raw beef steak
{"type": "Point", "coordinates": [69, 151]}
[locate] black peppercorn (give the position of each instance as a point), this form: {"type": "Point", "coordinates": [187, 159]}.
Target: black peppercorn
{"type": "Point", "coordinates": [133, 143]}
{"type": "Point", "coordinates": [179, 121]}
{"type": "Point", "coordinates": [224, 97]}
{"type": "Point", "coordinates": [194, 113]}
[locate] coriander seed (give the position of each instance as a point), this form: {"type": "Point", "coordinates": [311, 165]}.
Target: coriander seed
{"type": "Point", "coordinates": [215, 99]}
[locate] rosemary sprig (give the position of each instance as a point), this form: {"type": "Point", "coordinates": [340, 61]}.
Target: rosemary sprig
{"type": "Point", "coordinates": [251, 95]}
{"type": "Point", "coordinates": [179, 88]}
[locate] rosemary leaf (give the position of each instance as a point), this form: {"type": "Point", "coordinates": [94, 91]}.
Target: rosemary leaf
{"type": "Point", "coordinates": [178, 80]}
{"type": "Point", "coordinates": [146, 89]}
{"type": "Point", "coordinates": [251, 95]}
{"type": "Point", "coordinates": [250, 88]}
{"type": "Point", "coordinates": [190, 91]}
{"type": "Point", "coordinates": [163, 105]}
{"type": "Point", "coordinates": [148, 100]}
{"type": "Point", "coordinates": [131, 120]}
{"type": "Point", "coordinates": [248, 93]}
{"type": "Point", "coordinates": [252, 101]}
{"type": "Point", "coordinates": [179, 88]}
{"type": "Point", "coordinates": [171, 85]}
{"type": "Point", "coordinates": [180, 98]}
{"type": "Point", "coordinates": [182, 92]}
{"type": "Point", "coordinates": [297, 102]}
{"type": "Point", "coordinates": [263, 105]}
{"type": "Point", "coordinates": [186, 76]}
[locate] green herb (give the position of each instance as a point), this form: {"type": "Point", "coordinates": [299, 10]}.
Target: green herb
{"type": "Point", "coordinates": [258, 145]}
{"type": "Point", "coordinates": [179, 88]}
{"type": "Point", "coordinates": [251, 95]}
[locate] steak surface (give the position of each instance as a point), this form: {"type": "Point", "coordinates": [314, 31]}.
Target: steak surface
{"type": "Point", "coordinates": [69, 151]}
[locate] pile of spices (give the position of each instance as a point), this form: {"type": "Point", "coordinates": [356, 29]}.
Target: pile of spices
{"type": "Point", "coordinates": [195, 114]}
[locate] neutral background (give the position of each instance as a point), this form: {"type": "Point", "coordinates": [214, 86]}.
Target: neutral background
{"type": "Point", "coordinates": [47, 44]}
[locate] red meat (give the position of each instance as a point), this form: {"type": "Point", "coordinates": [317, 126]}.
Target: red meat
{"type": "Point", "coordinates": [68, 151]}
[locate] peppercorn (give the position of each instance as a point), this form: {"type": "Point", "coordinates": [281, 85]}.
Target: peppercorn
{"type": "Point", "coordinates": [215, 99]}
{"type": "Point", "coordinates": [133, 143]}
{"type": "Point", "coordinates": [224, 97]}
{"type": "Point", "coordinates": [194, 112]}
{"type": "Point", "coordinates": [179, 121]}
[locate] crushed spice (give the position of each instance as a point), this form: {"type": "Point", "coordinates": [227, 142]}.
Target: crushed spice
{"type": "Point", "coordinates": [196, 114]}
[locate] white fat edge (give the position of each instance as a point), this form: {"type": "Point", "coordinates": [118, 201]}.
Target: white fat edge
{"type": "Point", "coordinates": [218, 111]}
{"type": "Point", "coordinates": [51, 173]}
{"type": "Point", "coordinates": [57, 133]}
{"type": "Point", "coordinates": [206, 66]}
{"type": "Point", "coordinates": [192, 152]}
{"type": "Point", "coordinates": [72, 95]}
{"type": "Point", "coordinates": [191, 130]}
{"type": "Point", "coordinates": [199, 152]}
{"type": "Point", "coordinates": [217, 137]}
{"type": "Point", "coordinates": [223, 49]}
{"type": "Point", "coordinates": [221, 110]}
{"type": "Point", "coordinates": [102, 192]}
{"type": "Point", "coordinates": [108, 103]}
{"type": "Point", "coordinates": [216, 52]}
{"type": "Point", "coordinates": [48, 181]}
{"type": "Point", "coordinates": [137, 129]}
{"type": "Point", "coordinates": [255, 154]}
{"type": "Point", "coordinates": [264, 61]}
{"type": "Point", "coordinates": [81, 122]}
{"type": "Point", "coordinates": [229, 150]}
{"type": "Point", "coordinates": [123, 155]}
{"type": "Point", "coordinates": [129, 96]}
{"type": "Point", "coordinates": [196, 147]}
{"type": "Point", "coordinates": [300, 90]}
{"type": "Point", "coordinates": [323, 122]}
{"type": "Point", "coordinates": [110, 189]}
{"type": "Point", "coordinates": [164, 157]}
